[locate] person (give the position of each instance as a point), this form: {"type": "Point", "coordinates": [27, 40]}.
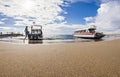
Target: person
{"type": "Point", "coordinates": [26, 32]}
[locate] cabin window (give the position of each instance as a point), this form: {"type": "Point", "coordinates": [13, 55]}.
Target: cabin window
{"type": "Point", "coordinates": [83, 30]}
{"type": "Point", "coordinates": [91, 31]}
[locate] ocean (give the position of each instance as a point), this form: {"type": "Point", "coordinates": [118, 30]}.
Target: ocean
{"type": "Point", "coordinates": [56, 39]}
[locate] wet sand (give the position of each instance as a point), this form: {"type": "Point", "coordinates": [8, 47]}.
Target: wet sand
{"type": "Point", "coordinates": [93, 59]}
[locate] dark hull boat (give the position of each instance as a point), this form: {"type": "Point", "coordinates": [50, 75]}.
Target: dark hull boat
{"type": "Point", "coordinates": [36, 33]}
{"type": "Point", "coordinates": [96, 36]}
{"type": "Point", "coordinates": [88, 34]}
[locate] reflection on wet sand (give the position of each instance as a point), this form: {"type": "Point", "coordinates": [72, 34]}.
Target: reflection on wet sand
{"type": "Point", "coordinates": [87, 40]}
{"type": "Point", "coordinates": [35, 41]}
{"type": "Point", "coordinates": [62, 41]}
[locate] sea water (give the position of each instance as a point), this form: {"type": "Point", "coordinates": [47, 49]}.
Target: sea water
{"type": "Point", "coordinates": [55, 39]}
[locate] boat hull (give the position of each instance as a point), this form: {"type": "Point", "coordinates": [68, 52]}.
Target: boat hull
{"type": "Point", "coordinates": [35, 37]}
{"type": "Point", "coordinates": [96, 36]}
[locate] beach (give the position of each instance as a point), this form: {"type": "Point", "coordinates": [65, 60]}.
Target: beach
{"type": "Point", "coordinates": [89, 59]}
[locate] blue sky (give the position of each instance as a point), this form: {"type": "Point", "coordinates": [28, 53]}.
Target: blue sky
{"type": "Point", "coordinates": [76, 12]}
{"type": "Point", "coordinates": [59, 16]}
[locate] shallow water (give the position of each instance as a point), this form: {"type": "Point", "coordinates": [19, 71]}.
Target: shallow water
{"type": "Point", "coordinates": [55, 39]}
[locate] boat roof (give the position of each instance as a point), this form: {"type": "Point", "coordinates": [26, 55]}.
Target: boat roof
{"type": "Point", "coordinates": [82, 30]}
{"type": "Point", "coordinates": [36, 29]}
{"type": "Point", "coordinates": [86, 29]}
{"type": "Point", "coordinates": [36, 26]}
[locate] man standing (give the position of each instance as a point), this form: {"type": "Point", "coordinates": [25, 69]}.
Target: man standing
{"type": "Point", "coordinates": [26, 32]}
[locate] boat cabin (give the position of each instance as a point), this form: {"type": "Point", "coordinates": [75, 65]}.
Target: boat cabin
{"type": "Point", "coordinates": [86, 31]}
{"type": "Point", "coordinates": [35, 33]}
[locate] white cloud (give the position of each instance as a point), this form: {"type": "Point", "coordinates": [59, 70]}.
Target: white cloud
{"type": "Point", "coordinates": [41, 11]}
{"type": "Point", "coordinates": [60, 18]}
{"type": "Point", "coordinates": [72, 1]}
{"type": "Point", "coordinates": [106, 1]}
{"type": "Point", "coordinates": [108, 18]}
{"type": "Point", "coordinates": [3, 19]}
{"type": "Point", "coordinates": [102, 1]}
{"type": "Point", "coordinates": [1, 23]}
{"type": "Point", "coordinates": [89, 19]}
{"type": "Point", "coordinates": [5, 28]}
{"type": "Point", "coordinates": [61, 28]}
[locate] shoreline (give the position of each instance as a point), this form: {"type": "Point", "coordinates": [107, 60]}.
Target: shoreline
{"type": "Point", "coordinates": [64, 39]}
{"type": "Point", "coordinates": [57, 43]}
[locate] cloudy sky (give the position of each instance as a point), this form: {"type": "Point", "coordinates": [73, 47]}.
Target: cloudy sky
{"type": "Point", "coordinates": [60, 16]}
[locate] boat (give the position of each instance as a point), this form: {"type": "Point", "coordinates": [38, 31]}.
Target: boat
{"type": "Point", "coordinates": [35, 33]}
{"type": "Point", "coordinates": [89, 33]}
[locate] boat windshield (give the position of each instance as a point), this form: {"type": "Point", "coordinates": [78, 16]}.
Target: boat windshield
{"type": "Point", "coordinates": [91, 30]}
{"type": "Point", "coordinates": [36, 31]}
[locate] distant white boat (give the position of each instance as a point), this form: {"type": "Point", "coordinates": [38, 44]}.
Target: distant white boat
{"type": "Point", "coordinates": [89, 33]}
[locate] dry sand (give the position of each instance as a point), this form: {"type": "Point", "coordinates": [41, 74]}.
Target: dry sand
{"type": "Point", "coordinates": [98, 59]}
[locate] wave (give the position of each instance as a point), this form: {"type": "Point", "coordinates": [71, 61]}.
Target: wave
{"type": "Point", "coordinates": [58, 39]}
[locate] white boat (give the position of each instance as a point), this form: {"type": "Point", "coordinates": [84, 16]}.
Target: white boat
{"type": "Point", "coordinates": [89, 33]}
